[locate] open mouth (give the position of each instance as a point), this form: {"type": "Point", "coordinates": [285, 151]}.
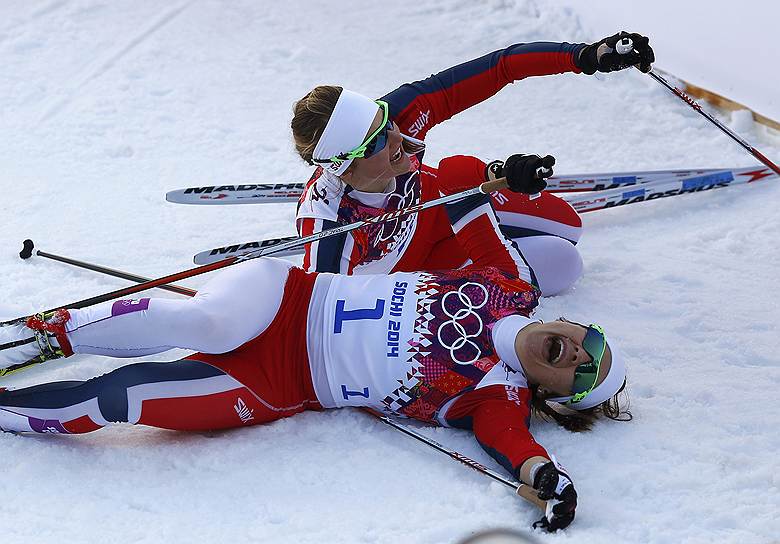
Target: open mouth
{"type": "Point", "coordinates": [556, 350]}
{"type": "Point", "coordinates": [397, 155]}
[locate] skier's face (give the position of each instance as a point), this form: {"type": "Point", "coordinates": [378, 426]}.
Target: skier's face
{"type": "Point", "coordinates": [375, 173]}
{"type": "Point", "coordinates": [550, 353]}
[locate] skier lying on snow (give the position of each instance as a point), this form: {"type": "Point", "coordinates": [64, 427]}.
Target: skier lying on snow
{"type": "Point", "coordinates": [452, 348]}
{"type": "Point", "coordinates": [370, 155]}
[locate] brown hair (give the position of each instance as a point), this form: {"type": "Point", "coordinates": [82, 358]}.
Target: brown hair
{"type": "Point", "coordinates": [310, 116]}
{"type": "Point", "coordinates": [582, 420]}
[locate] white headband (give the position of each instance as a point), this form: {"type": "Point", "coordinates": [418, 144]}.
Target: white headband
{"type": "Point", "coordinates": [504, 333]}
{"type": "Point", "coordinates": [606, 389]}
{"type": "Point", "coordinates": [346, 129]}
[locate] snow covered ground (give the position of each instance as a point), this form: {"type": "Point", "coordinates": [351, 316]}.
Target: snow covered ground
{"type": "Point", "coordinates": [105, 106]}
{"type": "Point", "coordinates": [724, 46]}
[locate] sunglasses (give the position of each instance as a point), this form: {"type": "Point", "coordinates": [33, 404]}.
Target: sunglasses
{"type": "Point", "coordinates": [586, 374]}
{"type": "Point", "coordinates": [374, 143]}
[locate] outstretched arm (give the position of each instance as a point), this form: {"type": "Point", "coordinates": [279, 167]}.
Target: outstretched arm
{"type": "Point", "coordinates": [419, 106]}
{"type": "Point", "coordinates": [498, 415]}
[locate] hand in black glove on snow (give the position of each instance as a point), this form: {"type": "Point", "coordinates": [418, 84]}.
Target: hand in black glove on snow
{"type": "Point", "coordinates": [555, 486]}
{"type": "Point", "coordinates": [602, 56]}
{"type": "Point", "coordinates": [521, 173]}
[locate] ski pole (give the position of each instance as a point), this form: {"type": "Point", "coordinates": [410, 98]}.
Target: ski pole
{"type": "Point", "coordinates": [485, 188]}
{"type": "Point", "coordinates": [626, 45]}
{"type": "Point", "coordinates": [523, 490]}
{"type": "Point", "coordinates": [29, 246]}
{"type": "Point", "coordinates": [693, 104]}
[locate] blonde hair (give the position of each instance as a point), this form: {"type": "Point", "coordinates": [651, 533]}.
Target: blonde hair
{"type": "Point", "coordinates": [310, 116]}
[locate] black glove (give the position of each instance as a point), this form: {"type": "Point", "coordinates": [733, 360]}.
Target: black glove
{"type": "Point", "coordinates": [602, 56]}
{"type": "Point", "coordinates": [555, 486]}
{"type": "Point", "coordinates": [521, 173]}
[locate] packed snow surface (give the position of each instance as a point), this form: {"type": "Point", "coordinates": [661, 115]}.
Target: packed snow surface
{"type": "Point", "coordinates": [107, 105]}
{"type": "Point", "coordinates": [727, 47]}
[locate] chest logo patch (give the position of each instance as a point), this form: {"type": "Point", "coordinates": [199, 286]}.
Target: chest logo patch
{"type": "Point", "coordinates": [464, 323]}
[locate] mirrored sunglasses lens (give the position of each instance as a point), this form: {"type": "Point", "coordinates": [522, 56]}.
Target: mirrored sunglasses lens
{"type": "Point", "coordinates": [380, 141]}
{"type": "Point", "coordinates": [594, 344]}
{"type": "Point", "coordinates": [586, 374]}
{"type": "Point", "coordinates": [585, 377]}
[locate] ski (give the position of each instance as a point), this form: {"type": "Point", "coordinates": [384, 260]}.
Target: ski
{"type": "Point", "coordinates": [582, 202]}
{"type": "Point", "coordinates": [614, 198]}
{"type": "Point", "coordinates": [260, 193]}
{"type": "Point", "coordinates": [25, 364]}
{"type": "Point", "coordinates": [248, 193]}
{"type": "Point", "coordinates": [219, 253]}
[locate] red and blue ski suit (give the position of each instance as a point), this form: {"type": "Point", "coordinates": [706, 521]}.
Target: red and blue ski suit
{"type": "Point", "coordinates": [425, 241]}
{"type": "Point", "coordinates": [434, 346]}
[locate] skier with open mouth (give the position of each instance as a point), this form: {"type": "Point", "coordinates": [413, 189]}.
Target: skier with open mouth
{"type": "Point", "coordinates": [370, 161]}
{"type": "Point", "coordinates": [452, 348]}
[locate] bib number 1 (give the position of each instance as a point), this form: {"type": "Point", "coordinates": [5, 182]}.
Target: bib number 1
{"type": "Point", "coordinates": [357, 314]}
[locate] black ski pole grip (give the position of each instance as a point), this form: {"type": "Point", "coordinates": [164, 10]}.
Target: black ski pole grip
{"type": "Point", "coordinates": [27, 249]}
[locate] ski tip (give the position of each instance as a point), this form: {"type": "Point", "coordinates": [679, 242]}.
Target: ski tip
{"type": "Point", "coordinates": [27, 248]}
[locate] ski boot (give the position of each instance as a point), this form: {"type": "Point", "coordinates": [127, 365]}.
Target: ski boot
{"type": "Point", "coordinates": [33, 340]}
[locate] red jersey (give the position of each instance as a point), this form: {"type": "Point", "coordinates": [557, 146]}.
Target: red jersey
{"type": "Point", "coordinates": [420, 241]}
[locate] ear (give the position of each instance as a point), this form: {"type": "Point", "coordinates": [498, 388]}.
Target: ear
{"type": "Point", "coordinates": [545, 393]}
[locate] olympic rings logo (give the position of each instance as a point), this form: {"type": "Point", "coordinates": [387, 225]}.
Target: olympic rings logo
{"type": "Point", "coordinates": [463, 350]}
{"type": "Point", "coordinates": [390, 228]}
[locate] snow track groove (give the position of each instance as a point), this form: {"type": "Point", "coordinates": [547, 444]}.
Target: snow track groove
{"type": "Point", "coordinates": [110, 60]}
